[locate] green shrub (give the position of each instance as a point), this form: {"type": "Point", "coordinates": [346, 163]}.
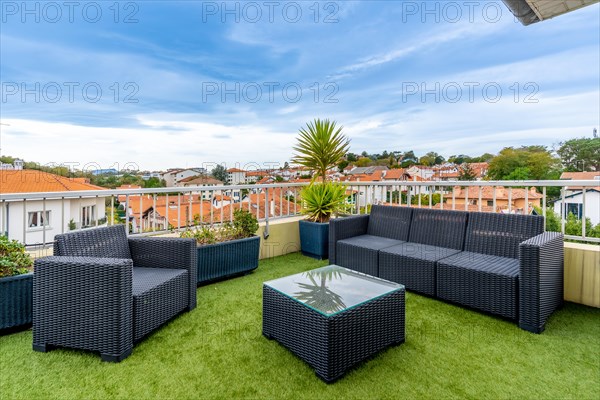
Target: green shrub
{"type": "Point", "coordinates": [244, 225]}
{"type": "Point", "coordinates": [13, 258]}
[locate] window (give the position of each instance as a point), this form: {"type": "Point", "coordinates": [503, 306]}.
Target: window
{"type": "Point", "coordinates": [490, 203]}
{"type": "Point", "coordinates": [38, 219]}
{"type": "Point", "coordinates": [88, 216]}
{"type": "Point", "coordinates": [575, 209]}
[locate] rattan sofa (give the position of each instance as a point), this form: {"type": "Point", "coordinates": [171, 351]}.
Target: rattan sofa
{"type": "Point", "coordinates": [103, 291]}
{"type": "Point", "coordinates": [499, 263]}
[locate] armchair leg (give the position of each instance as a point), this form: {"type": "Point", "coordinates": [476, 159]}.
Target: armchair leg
{"type": "Point", "coordinates": [42, 347]}
{"type": "Point", "coordinates": [115, 358]}
{"type": "Point", "coordinates": [531, 328]}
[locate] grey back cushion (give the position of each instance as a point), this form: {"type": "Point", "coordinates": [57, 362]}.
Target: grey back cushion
{"type": "Point", "coordinates": [439, 228]}
{"type": "Point", "coordinates": [501, 234]}
{"type": "Point", "coordinates": [390, 222]}
{"type": "Point", "coordinates": [105, 242]}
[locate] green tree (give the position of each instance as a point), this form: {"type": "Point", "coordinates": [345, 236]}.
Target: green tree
{"type": "Point", "coordinates": [535, 162]}
{"type": "Point", "coordinates": [220, 173]}
{"type": "Point", "coordinates": [342, 164]}
{"type": "Point", "coordinates": [320, 147]}
{"type": "Point", "coordinates": [363, 162]}
{"type": "Point", "coordinates": [466, 173]}
{"type": "Point", "coordinates": [519, 174]}
{"type": "Point", "coordinates": [154, 183]}
{"type": "Point", "coordinates": [351, 157]}
{"type": "Point", "coordinates": [409, 159]}
{"type": "Point", "coordinates": [459, 159]}
{"type": "Point", "coordinates": [580, 154]}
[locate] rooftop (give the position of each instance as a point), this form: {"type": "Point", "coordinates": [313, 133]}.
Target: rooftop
{"type": "Point", "coordinates": [31, 181]}
{"type": "Point", "coordinates": [218, 351]}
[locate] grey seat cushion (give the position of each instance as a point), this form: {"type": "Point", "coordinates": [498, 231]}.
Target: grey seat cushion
{"type": "Point", "coordinates": [159, 294]}
{"type": "Point", "coordinates": [413, 265]}
{"type": "Point", "coordinates": [370, 242]}
{"type": "Point", "coordinates": [146, 279]}
{"type": "Point", "coordinates": [484, 263]}
{"type": "Point", "coordinates": [361, 253]}
{"type": "Point", "coordinates": [486, 282]}
{"type": "Point", "coordinates": [420, 251]}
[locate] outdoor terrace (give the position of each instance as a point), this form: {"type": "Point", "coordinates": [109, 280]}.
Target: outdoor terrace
{"type": "Point", "coordinates": [218, 351]}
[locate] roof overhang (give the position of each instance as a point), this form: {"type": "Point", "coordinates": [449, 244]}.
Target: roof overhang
{"type": "Point", "coordinates": [531, 11]}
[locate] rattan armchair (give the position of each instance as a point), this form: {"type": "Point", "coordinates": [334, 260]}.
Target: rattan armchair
{"type": "Point", "coordinates": [103, 291]}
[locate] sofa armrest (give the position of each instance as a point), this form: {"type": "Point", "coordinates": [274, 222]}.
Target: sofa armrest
{"type": "Point", "coordinates": [175, 253]}
{"type": "Point", "coordinates": [83, 302]}
{"type": "Point", "coordinates": [344, 228]}
{"type": "Point", "coordinates": [540, 279]}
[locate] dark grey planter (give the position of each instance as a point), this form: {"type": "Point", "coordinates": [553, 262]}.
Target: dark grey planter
{"type": "Point", "coordinates": [222, 260]}
{"type": "Point", "coordinates": [314, 239]}
{"type": "Point", "coordinates": [16, 297]}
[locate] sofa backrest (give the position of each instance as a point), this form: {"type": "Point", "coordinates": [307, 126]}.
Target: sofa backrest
{"type": "Point", "coordinates": [105, 242]}
{"type": "Point", "coordinates": [501, 234]}
{"type": "Point", "coordinates": [438, 228]}
{"type": "Point", "coordinates": [390, 222]}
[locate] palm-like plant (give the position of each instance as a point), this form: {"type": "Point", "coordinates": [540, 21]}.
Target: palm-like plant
{"type": "Point", "coordinates": [322, 200]}
{"type": "Point", "coordinates": [318, 295]}
{"type": "Point", "coordinates": [320, 147]}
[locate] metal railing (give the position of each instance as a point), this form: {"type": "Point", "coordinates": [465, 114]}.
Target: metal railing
{"type": "Point", "coordinates": [162, 210]}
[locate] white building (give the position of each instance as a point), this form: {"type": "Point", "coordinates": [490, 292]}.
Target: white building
{"type": "Point", "coordinates": [236, 176]}
{"type": "Point", "coordinates": [574, 204]}
{"type": "Point", "coordinates": [36, 222]}
{"type": "Point", "coordinates": [203, 182]}
{"type": "Point", "coordinates": [172, 177]}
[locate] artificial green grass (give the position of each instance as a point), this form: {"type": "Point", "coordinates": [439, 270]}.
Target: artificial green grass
{"type": "Point", "coordinates": [218, 351]}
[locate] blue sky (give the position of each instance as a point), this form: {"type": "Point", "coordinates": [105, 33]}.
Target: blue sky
{"type": "Point", "coordinates": [180, 81]}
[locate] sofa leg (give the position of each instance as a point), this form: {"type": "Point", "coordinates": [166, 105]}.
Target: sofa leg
{"type": "Point", "coordinates": [531, 328]}
{"type": "Point", "coordinates": [115, 358]}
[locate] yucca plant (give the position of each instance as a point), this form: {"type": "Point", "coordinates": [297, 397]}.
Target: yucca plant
{"type": "Point", "coordinates": [320, 147]}
{"type": "Point", "coordinates": [322, 200]}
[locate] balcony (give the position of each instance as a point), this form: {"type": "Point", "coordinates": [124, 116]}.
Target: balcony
{"type": "Point", "coordinates": [218, 351]}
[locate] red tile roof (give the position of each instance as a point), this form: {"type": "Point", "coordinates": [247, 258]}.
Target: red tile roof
{"type": "Point", "coordinates": [32, 181]}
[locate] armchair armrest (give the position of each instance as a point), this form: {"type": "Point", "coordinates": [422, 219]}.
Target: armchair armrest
{"type": "Point", "coordinates": [344, 228]}
{"type": "Point", "coordinates": [175, 253]}
{"type": "Point", "coordinates": [83, 302]}
{"type": "Point", "coordinates": [540, 279]}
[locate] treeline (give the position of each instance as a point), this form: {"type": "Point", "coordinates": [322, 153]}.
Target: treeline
{"type": "Point", "coordinates": [110, 181]}
{"type": "Point", "coordinates": [511, 163]}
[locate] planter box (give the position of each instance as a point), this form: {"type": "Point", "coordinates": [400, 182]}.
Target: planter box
{"type": "Point", "coordinates": [222, 260]}
{"type": "Point", "coordinates": [16, 297]}
{"type": "Point", "coordinates": [314, 239]}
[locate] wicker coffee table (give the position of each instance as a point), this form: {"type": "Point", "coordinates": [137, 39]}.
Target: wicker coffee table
{"type": "Point", "coordinates": [333, 317]}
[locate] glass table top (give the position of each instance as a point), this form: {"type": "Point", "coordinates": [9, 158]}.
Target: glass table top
{"type": "Point", "coordinates": [332, 289]}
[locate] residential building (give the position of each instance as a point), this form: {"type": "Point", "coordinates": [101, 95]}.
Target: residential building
{"type": "Point", "coordinates": [38, 221]}
{"type": "Point", "coordinates": [16, 165]}
{"type": "Point", "coordinates": [574, 203]}
{"type": "Point", "coordinates": [236, 176]}
{"type": "Point", "coordinates": [255, 176]}
{"type": "Point", "coordinates": [507, 200]}
{"type": "Point", "coordinates": [202, 181]}
{"type": "Point", "coordinates": [574, 198]}
{"type": "Point", "coordinates": [173, 176]}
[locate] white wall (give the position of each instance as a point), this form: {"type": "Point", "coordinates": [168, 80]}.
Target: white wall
{"type": "Point", "coordinates": [15, 221]}
{"type": "Point", "coordinates": [592, 205]}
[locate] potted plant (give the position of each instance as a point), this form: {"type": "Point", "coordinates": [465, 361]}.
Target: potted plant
{"type": "Point", "coordinates": [320, 147]}
{"type": "Point", "coordinates": [227, 250]}
{"type": "Point", "coordinates": [16, 284]}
